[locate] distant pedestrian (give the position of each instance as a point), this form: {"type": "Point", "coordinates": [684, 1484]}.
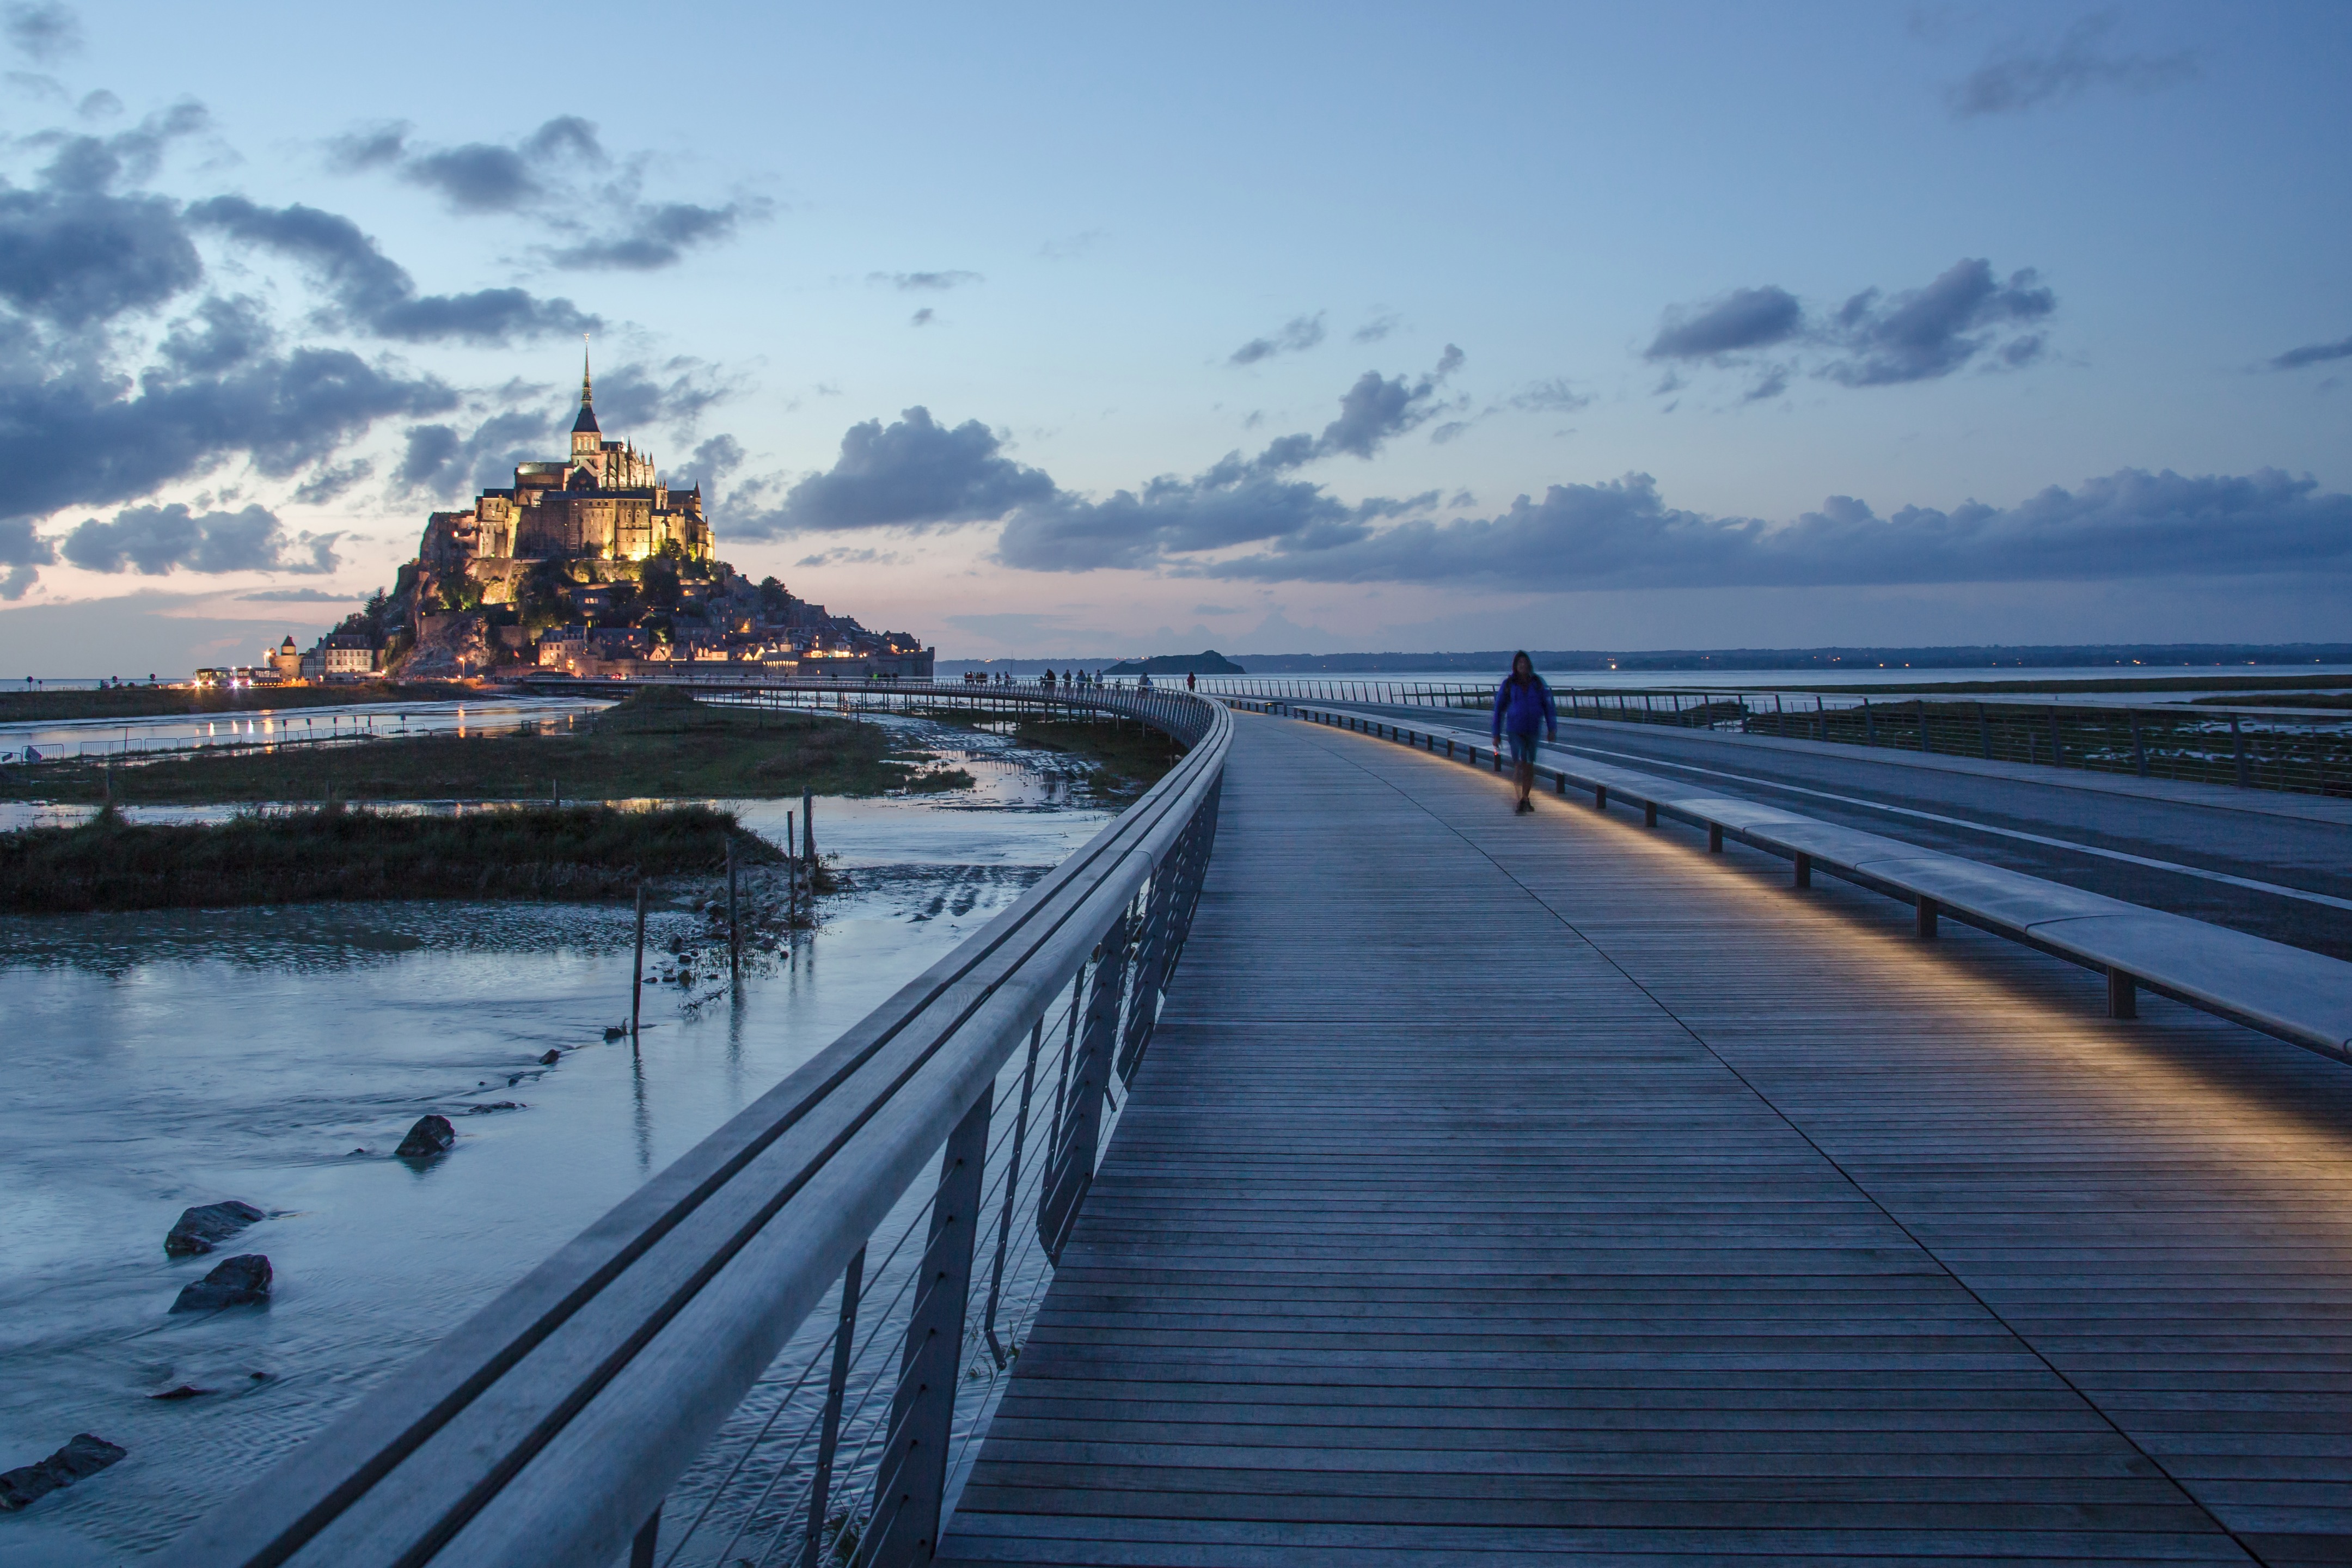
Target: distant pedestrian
{"type": "Point", "coordinates": [1521, 701]}
{"type": "Point", "coordinates": [1190, 684]}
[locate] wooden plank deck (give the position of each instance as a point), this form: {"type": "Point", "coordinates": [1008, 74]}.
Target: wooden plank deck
{"type": "Point", "coordinates": [1542, 1189]}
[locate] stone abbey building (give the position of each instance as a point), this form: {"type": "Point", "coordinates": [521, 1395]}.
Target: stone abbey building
{"type": "Point", "coordinates": [604, 502]}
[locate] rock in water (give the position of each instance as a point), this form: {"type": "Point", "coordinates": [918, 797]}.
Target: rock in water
{"type": "Point", "coordinates": [551, 1059]}
{"type": "Point", "coordinates": [432, 1135]}
{"type": "Point", "coordinates": [242, 1281]}
{"type": "Point", "coordinates": [200, 1228]}
{"type": "Point", "coordinates": [83, 1457]}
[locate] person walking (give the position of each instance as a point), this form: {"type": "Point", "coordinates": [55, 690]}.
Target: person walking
{"type": "Point", "coordinates": [1521, 701]}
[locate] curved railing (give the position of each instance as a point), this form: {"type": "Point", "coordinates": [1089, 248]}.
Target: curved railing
{"type": "Point", "coordinates": [679, 1352]}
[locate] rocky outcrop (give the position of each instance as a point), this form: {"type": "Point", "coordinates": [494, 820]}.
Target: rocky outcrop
{"type": "Point", "coordinates": [432, 1135]}
{"type": "Point", "coordinates": [449, 646]}
{"type": "Point", "coordinates": [201, 1229]}
{"type": "Point", "coordinates": [78, 1460]}
{"type": "Point", "coordinates": [242, 1281]}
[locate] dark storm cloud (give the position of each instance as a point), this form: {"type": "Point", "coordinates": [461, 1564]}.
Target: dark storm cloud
{"type": "Point", "coordinates": [373, 293]}
{"type": "Point", "coordinates": [1297, 335]}
{"type": "Point", "coordinates": [2017, 77]}
{"type": "Point", "coordinates": [2313, 353]}
{"type": "Point", "coordinates": [76, 439]}
{"type": "Point", "coordinates": [1743, 319]}
{"type": "Point", "coordinates": [1622, 535]}
{"type": "Point", "coordinates": [1933, 331]}
{"type": "Point", "coordinates": [915, 473]}
{"type": "Point", "coordinates": [154, 541]}
{"type": "Point", "coordinates": [44, 32]}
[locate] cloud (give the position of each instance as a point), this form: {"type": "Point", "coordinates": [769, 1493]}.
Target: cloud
{"type": "Point", "coordinates": [73, 253]}
{"type": "Point", "coordinates": [156, 539]}
{"type": "Point", "coordinates": [439, 462]}
{"type": "Point", "coordinates": [676, 392]}
{"type": "Point", "coordinates": [1933, 331]}
{"type": "Point", "coordinates": [915, 473]}
{"type": "Point", "coordinates": [922, 318]}
{"type": "Point", "coordinates": [713, 461]}
{"type": "Point", "coordinates": [374, 294]}
{"type": "Point", "coordinates": [1072, 248]}
{"type": "Point", "coordinates": [941, 281]}
{"type": "Point", "coordinates": [2313, 353]}
{"type": "Point", "coordinates": [20, 546]}
{"type": "Point", "coordinates": [222, 334]}
{"type": "Point", "coordinates": [69, 439]}
{"type": "Point", "coordinates": [1297, 335]}
{"type": "Point", "coordinates": [302, 596]}
{"type": "Point", "coordinates": [659, 236]}
{"type": "Point", "coordinates": [330, 480]}
{"type": "Point", "coordinates": [1621, 534]}
{"type": "Point", "coordinates": [561, 176]}
{"type": "Point", "coordinates": [847, 557]}
{"type": "Point", "coordinates": [16, 580]}
{"type": "Point", "coordinates": [1378, 407]}
{"type": "Point", "coordinates": [1964, 316]}
{"type": "Point", "coordinates": [1743, 319]}
{"type": "Point", "coordinates": [42, 31]}
{"type": "Point", "coordinates": [1373, 330]}
{"type": "Point", "coordinates": [2015, 76]}
{"type": "Point", "coordinates": [1556, 396]}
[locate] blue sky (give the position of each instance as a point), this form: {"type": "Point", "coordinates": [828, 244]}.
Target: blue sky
{"type": "Point", "coordinates": [1068, 330]}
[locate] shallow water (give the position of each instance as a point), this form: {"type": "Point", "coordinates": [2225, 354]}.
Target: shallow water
{"type": "Point", "coordinates": [53, 739]}
{"type": "Point", "coordinates": [276, 1055]}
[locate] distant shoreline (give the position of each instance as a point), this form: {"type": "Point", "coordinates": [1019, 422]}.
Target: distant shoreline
{"type": "Point", "coordinates": [1828, 660]}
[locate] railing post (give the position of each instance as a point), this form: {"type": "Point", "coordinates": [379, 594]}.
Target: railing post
{"type": "Point", "coordinates": [1804, 870]}
{"type": "Point", "coordinates": [647, 1541]}
{"type": "Point", "coordinates": [1715, 838]}
{"type": "Point", "coordinates": [2238, 745]}
{"type": "Point", "coordinates": [1143, 1007]}
{"type": "Point", "coordinates": [2057, 742]}
{"type": "Point", "coordinates": [2123, 996]}
{"type": "Point", "coordinates": [911, 1482]}
{"type": "Point", "coordinates": [1649, 814]}
{"type": "Point", "coordinates": [828, 1432]}
{"type": "Point", "coordinates": [1012, 1191]}
{"type": "Point", "coordinates": [1925, 917]}
{"type": "Point", "coordinates": [1070, 1170]}
{"type": "Point", "coordinates": [1984, 732]}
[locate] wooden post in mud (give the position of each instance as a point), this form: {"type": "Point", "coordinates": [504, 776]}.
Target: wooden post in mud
{"type": "Point", "coordinates": [637, 970]}
{"type": "Point", "coordinates": [734, 932]}
{"type": "Point", "coordinates": [792, 875]}
{"type": "Point", "coordinates": [808, 832]}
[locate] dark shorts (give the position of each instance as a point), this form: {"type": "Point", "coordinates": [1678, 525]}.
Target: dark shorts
{"type": "Point", "coordinates": [1523, 746]}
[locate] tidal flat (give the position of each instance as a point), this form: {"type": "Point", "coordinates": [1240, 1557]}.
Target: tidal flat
{"type": "Point", "coordinates": [276, 1056]}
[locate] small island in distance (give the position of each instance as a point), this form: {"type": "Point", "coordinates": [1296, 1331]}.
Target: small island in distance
{"type": "Point", "coordinates": [1210, 662]}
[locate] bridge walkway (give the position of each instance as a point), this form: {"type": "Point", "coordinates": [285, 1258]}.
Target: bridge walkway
{"type": "Point", "coordinates": [1522, 1190]}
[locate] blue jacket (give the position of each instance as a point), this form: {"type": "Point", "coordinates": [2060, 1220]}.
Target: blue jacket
{"type": "Point", "coordinates": [1518, 707]}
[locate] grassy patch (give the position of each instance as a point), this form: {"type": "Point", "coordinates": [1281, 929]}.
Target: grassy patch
{"type": "Point", "coordinates": [574, 853]}
{"type": "Point", "coordinates": [658, 744]}
{"type": "Point", "coordinates": [1129, 757]}
{"type": "Point", "coordinates": [149, 702]}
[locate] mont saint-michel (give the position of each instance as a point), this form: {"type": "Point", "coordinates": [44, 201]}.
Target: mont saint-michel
{"type": "Point", "coordinates": [588, 565]}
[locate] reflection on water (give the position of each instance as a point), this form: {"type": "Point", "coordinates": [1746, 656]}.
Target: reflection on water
{"type": "Point", "coordinates": [276, 1055]}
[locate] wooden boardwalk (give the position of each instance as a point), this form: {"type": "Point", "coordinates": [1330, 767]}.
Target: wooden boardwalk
{"type": "Point", "coordinates": [1523, 1190]}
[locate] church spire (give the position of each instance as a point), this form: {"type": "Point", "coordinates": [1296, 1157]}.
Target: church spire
{"type": "Point", "coordinates": [586, 424]}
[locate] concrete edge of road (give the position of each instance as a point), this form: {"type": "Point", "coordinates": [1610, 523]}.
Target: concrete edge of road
{"type": "Point", "coordinates": [2302, 997]}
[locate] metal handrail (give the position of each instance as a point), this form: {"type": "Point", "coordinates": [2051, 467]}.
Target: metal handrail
{"type": "Point", "coordinates": [550, 1427]}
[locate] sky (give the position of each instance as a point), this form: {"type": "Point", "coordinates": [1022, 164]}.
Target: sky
{"type": "Point", "coordinates": [1061, 329]}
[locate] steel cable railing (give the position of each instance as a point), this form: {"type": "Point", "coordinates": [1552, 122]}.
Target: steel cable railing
{"type": "Point", "coordinates": [2254, 747]}
{"type": "Point", "coordinates": [721, 1350]}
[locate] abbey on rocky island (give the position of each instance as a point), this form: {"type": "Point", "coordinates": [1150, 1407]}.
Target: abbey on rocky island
{"type": "Point", "coordinates": [590, 567]}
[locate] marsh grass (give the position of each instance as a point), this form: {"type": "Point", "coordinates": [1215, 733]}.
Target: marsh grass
{"type": "Point", "coordinates": [572, 853]}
